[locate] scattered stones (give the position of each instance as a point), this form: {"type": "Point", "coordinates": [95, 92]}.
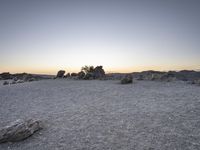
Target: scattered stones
{"type": "Point", "coordinates": [60, 74]}
{"type": "Point", "coordinates": [127, 79]}
{"type": "Point", "coordinates": [19, 130]}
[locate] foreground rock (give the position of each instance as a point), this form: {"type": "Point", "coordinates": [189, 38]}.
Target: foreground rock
{"type": "Point", "coordinates": [127, 79]}
{"type": "Point", "coordinates": [19, 130]}
{"type": "Point", "coordinates": [60, 74]}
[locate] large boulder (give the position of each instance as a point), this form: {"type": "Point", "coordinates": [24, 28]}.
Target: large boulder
{"type": "Point", "coordinates": [60, 74]}
{"type": "Point", "coordinates": [127, 79]}
{"type": "Point", "coordinates": [98, 72]}
{"type": "Point", "coordinates": [19, 130]}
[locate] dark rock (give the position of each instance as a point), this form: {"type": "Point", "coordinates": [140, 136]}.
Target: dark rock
{"type": "Point", "coordinates": [5, 83]}
{"type": "Point", "coordinates": [60, 74]}
{"type": "Point", "coordinates": [15, 79]}
{"type": "Point", "coordinates": [127, 79]}
{"type": "Point", "coordinates": [19, 130]}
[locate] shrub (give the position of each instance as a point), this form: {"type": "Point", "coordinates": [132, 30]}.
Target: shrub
{"type": "Point", "coordinates": [127, 80]}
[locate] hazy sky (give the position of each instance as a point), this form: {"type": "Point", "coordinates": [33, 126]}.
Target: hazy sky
{"type": "Point", "coordinates": [43, 36]}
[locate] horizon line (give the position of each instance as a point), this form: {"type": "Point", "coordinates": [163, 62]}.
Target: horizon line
{"type": "Point", "coordinates": [107, 72]}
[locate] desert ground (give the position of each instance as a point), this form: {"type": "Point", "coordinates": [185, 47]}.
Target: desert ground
{"type": "Point", "coordinates": [104, 115]}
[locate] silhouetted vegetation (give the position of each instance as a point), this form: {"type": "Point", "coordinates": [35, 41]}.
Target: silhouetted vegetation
{"type": "Point", "coordinates": [127, 79]}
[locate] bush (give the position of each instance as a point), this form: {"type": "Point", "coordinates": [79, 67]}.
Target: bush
{"type": "Point", "coordinates": [81, 75]}
{"type": "Point", "coordinates": [127, 80]}
{"type": "Point", "coordinates": [87, 69]}
{"type": "Point", "coordinates": [89, 76]}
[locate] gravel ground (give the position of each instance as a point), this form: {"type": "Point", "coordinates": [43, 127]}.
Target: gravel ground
{"type": "Point", "coordinates": [104, 115]}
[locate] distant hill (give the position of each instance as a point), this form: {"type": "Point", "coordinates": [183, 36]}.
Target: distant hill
{"type": "Point", "coordinates": [7, 75]}
{"type": "Point", "coordinates": [184, 75]}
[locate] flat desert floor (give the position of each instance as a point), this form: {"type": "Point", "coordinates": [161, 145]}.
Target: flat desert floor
{"type": "Point", "coordinates": [104, 115]}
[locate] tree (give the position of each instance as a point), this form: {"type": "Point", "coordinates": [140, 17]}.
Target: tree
{"type": "Point", "coordinates": [87, 69]}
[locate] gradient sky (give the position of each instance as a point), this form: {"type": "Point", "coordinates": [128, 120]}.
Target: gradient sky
{"type": "Point", "coordinates": [43, 36]}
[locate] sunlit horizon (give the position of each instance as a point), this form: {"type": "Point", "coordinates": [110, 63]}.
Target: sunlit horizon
{"type": "Point", "coordinates": [123, 36]}
{"type": "Point", "coordinates": [53, 71]}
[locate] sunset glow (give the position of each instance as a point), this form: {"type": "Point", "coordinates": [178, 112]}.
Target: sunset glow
{"type": "Point", "coordinates": [123, 36]}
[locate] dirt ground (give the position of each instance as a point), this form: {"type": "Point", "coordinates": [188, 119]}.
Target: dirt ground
{"type": "Point", "coordinates": [104, 115]}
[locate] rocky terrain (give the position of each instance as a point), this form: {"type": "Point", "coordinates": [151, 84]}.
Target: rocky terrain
{"type": "Point", "coordinates": [102, 115]}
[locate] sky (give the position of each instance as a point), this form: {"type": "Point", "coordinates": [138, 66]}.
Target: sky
{"type": "Point", "coordinates": [44, 36]}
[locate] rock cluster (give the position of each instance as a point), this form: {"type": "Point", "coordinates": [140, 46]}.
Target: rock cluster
{"type": "Point", "coordinates": [87, 73]}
